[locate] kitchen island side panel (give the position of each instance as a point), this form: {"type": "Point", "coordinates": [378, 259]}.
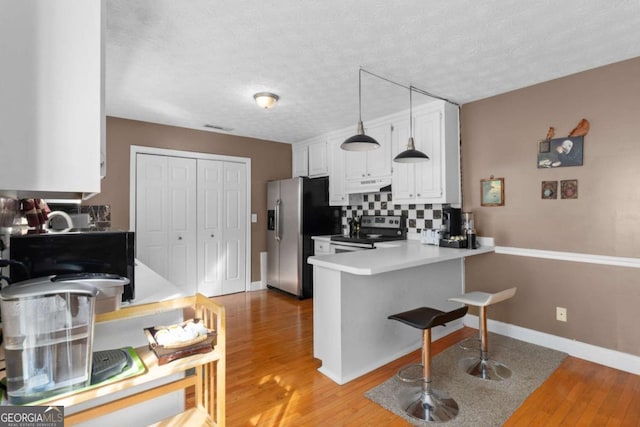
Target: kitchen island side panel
{"type": "Point", "coordinates": [358, 337]}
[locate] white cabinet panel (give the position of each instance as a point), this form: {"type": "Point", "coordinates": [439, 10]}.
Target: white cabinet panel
{"type": "Point", "coordinates": [427, 135]}
{"type": "Point", "coordinates": [300, 158]}
{"type": "Point", "coordinates": [362, 167]}
{"type": "Point", "coordinates": [337, 193]}
{"type": "Point", "coordinates": [52, 104]}
{"type": "Point", "coordinates": [379, 160]}
{"type": "Point", "coordinates": [435, 134]}
{"type": "Point", "coordinates": [318, 159]}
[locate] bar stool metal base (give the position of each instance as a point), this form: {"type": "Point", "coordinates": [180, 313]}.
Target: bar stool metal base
{"type": "Point", "coordinates": [485, 369]}
{"type": "Point", "coordinates": [433, 406]}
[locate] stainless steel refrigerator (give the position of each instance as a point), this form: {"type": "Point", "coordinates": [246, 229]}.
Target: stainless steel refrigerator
{"type": "Point", "coordinates": [297, 209]}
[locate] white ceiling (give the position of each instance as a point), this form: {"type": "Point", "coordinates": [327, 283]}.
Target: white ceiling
{"type": "Point", "coordinates": [189, 63]}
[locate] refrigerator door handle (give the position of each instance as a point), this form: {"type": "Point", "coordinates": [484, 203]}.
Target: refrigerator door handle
{"type": "Point", "coordinates": [277, 220]}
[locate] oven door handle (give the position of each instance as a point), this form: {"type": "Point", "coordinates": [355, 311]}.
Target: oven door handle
{"type": "Point", "coordinates": [346, 247]}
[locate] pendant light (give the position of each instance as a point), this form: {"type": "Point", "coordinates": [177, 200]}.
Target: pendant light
{"type": "Point", "coordinates": [360, 141]}
{"type": "Point", "coordinates": [411, 155]}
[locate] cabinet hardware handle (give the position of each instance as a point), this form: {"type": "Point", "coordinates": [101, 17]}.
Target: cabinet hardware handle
{"type": "Point", "coordinates": [179, 237]}
{"type": "Point", "coordinates": [213, 235]}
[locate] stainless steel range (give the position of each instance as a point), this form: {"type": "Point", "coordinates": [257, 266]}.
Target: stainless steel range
{"type": "Point", "coordinates": [373, 229]}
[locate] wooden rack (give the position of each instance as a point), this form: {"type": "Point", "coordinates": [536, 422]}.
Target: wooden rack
{"type": "Point", "coordinates": [205, 372]}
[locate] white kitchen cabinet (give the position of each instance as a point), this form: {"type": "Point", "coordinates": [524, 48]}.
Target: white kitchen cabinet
{"type": "Point", "coordinates": [321, 247]}
{"type": "Point", "coordinates": [436, 135]}
{"type": "Point", "coordinates": [318, 165]}
{"type": "Point", "coordinates": [310, 158]}
{"type": "Point", "coordinates": [52, 104]}
{"type": "Point", "coordinates": [337, 194]}
{"type": "Point", "coordinates": [300, 158]}
{"type": "Point", "coordinates": [373, 163]}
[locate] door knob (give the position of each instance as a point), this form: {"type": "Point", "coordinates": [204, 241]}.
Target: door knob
{"type": "Point", "coordinates": [179, 237]}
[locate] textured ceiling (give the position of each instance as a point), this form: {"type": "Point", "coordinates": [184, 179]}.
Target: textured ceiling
{"type": "Point", "coordinates": [189, 63]}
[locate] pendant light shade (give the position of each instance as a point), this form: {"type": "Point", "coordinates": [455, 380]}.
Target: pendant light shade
{"type": "Point", "coordinates": [360, 141]}
{"type": "Point", "coordinates": [411, 155]}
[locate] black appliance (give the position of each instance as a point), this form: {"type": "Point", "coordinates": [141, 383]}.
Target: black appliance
{"type": "Point", "coordinates": [297, 209]}
{"type": "Point", "coordinates": [377, 228]}
{"type": "Point", "coordinates": [452, 222]}
{"type": "Point", "coordinates": [111, 252]}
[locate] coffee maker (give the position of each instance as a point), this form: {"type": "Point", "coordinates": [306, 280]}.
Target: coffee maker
{"type": "Point", "coordinates": [451, 222]}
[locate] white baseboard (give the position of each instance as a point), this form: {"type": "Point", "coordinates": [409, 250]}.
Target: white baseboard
{"type": "Point", "coordinates": [256, 286]}
{"type": "Point", "coordinates": [603, 356]}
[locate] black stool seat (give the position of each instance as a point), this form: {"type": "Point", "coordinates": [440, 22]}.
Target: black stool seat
{"type": "Point", "coordinates": [427, 317]}
{"type": "Point", "coordinates": [428, 404]}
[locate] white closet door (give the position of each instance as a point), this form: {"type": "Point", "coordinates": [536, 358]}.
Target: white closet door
{"type": "Point", "coordinates": [235, 227]}
{"type": "Point", "coordinates": [165, 213]}
{"type": "Point", "coordinates": [210, 252]}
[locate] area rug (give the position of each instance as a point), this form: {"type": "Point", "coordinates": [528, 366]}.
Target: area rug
{"type": "Point", "coordinates": [482, 402]}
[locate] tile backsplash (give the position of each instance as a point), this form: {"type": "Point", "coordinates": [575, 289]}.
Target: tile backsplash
{"type": "Point", "coordinates": [419, 216]}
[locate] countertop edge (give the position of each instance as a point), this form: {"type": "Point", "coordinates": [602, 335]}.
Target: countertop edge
{"type": "Point", "coordinates": [444, 254]}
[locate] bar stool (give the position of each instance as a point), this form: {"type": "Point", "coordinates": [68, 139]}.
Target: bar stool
{"type": "Point", "coordinates": [482, 366]}
{"type": "Point", "coordinates": [429, 405]}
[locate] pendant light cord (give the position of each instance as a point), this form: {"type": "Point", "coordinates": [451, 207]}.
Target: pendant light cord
{"type": "Point", "coordinates": [360, 94]}
{"type": "Point", "coordinates": [410, 111]}
{"type": "Point", "coordinates": [423, 92]}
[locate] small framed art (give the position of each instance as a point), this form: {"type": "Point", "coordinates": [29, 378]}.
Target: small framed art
{"type": "Point", "coordinates": [549, 189]}
{"type": "Point", "coordinates": [492, 192]}
{"type": "Point", "coordinates": [569, 189]}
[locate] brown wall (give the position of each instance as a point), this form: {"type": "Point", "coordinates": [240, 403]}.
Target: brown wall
{"type": "Point", "coordinates": [269, 161]}
{"type": "Point", "coordinates": [500, 137]}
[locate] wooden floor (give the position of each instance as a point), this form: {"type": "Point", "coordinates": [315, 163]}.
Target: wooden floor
{"type": "Point", "coordinates": [272, 377]}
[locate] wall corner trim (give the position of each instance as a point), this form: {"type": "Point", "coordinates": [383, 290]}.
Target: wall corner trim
{"type": "Point", "coordinates": [603, 356]}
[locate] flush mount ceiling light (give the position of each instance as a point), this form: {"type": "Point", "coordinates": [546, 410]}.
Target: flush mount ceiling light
{"type": "Point", "coordinates": [360, 141]}
{"type": "Point", "coordinates": [266, 99]}
{"type": "Point", "coordinates": [411, 155]}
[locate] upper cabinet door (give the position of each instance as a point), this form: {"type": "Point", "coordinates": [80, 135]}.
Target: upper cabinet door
{"type": "Point", "coordinates": [435, 132]}
{"type": "Point", "coordinates": [403, 178]}
{"type": "Point", "coordinates": [364, 165]}
{"type": "Point", "coordinates": [318, 158]}
{"type": "Point", "coordinates": [51, 108]}
{"type": "Point", "coordinates": [427, 138]}
{"type": "Point", "coordinates": [300, 157]}
{"type": "Point", "coordinates": [379, 160]}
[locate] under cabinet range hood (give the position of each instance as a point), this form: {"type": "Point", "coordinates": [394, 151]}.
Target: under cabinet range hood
{"type": "Point", "coordinates": [367, 185]}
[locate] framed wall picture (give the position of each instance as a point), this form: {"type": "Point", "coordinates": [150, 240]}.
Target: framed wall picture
{"type": "Point", "coordinates": [549, 189]}
{"type": "Point", "coordinates": [492, 192]}
{"type": "Point", "coordinates": [560, 152]}
{"type": "Point", "coordinates": [569, 189]}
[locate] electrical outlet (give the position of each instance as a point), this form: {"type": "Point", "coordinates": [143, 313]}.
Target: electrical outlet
{"type": "Point", "coordinates": [561, 314]}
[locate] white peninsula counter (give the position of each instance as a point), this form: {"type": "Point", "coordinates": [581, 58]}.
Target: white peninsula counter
{"type": "Point", "coordinates": [354, 293]}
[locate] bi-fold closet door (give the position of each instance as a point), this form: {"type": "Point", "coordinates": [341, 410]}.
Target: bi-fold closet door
{"type": "Point", "coordinates": [191, 221]}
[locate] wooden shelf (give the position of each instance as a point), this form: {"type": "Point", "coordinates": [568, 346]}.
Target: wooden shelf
{"type": "Point", "coordinates": [208, 378]}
